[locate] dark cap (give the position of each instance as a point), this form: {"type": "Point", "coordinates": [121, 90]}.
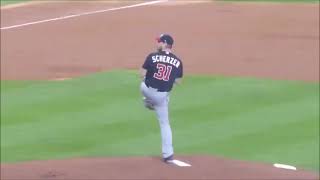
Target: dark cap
{"type": "Point", "coordinates": [165, 38]}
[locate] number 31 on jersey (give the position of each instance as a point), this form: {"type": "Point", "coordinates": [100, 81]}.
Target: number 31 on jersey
{"type": "Point", "coordinates": [163, 73]}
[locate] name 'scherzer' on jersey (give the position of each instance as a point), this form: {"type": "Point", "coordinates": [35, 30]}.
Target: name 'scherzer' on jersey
{"type": "Point", "coordinates": [166, 59]}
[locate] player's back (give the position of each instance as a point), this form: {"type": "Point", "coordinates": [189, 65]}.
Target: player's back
{"type": "Point", "coordinates": [162, 70]}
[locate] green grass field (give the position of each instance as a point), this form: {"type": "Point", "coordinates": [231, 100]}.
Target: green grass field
{"type": "Point", "coordinates": [7, 2]}
{"type": "Point", "coordinates": [102, 115]}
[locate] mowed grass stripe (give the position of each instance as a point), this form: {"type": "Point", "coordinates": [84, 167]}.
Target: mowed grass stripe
{"type": "Point", "coordinates": [102, 115]}
{"type": "Point", "coordinates": [264, 121]}
{"type": "Point", "coordinates": [63, 97]}
{"type": "Point", "coordinates": [63, 109]}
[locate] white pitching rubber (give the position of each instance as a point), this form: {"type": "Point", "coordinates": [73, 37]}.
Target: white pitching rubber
{"type": "Point", "coordinates": [284, 166]}
{"type": "Point", "coordinates": [180, 163]}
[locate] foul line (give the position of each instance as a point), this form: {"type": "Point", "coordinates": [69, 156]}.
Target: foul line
{"type": "Point", "coordinates": [82, 14]}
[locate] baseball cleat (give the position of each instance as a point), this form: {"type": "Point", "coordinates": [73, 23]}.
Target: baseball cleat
{"type": "Point", "coordinates": [147, 103]}
{"type": "Point", "coordinates": [168, 160]}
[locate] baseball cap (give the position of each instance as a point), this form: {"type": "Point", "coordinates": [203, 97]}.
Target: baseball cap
{"type": "Point", "coordinates": [166, 38]}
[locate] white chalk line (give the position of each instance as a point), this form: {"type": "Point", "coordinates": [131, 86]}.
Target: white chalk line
{"type": "Point", "coordinates": [82, 14]}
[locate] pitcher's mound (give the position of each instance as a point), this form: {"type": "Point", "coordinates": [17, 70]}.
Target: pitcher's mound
{"type": "Point", "coordinates": [202, 167]}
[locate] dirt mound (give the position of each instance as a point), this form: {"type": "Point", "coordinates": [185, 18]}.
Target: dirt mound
{"type": "Point", "coordinates": [203, 167]}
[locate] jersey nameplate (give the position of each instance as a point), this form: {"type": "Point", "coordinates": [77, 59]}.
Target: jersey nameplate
{"type": "Point", "coordinates": [166, 59]}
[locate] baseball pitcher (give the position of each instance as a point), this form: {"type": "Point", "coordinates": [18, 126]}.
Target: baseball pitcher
{"type": "Point", "coordinates": [159, 72]}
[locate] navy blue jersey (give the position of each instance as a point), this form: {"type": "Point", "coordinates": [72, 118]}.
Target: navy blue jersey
{"type": "Point", "coordinates": [162, 70]}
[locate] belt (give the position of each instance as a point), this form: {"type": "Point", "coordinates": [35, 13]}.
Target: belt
{"type": "Point", "coordinates": [159, 90]}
